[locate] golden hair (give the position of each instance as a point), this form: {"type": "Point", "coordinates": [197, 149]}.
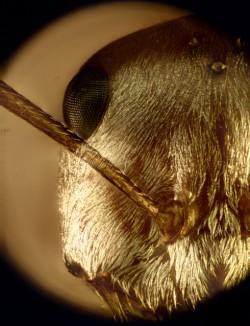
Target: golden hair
{"type": "Point", "coordinates": [178, 125]}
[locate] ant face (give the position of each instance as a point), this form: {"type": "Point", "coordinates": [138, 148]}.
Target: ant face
{"type": "Point", "coordinates": [41, 70]}
{"type": "Point", "coordinates": [170, 108]}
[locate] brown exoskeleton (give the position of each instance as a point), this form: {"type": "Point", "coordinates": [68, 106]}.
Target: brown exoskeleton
{"type": "Point", "coordinates": [174, 116]}
{"type": "Point", "coordinates": [170, 107]}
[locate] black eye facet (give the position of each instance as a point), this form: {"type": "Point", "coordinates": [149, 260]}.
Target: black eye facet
{"type": "Point", "coordinates": [85, 100]}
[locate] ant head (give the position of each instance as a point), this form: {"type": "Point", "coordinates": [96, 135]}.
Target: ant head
{"type": "Point", "coordinates": [167, 106]}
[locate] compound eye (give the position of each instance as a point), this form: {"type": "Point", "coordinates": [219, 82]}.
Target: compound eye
{"type": "Point", "coordinates": [85, 100]}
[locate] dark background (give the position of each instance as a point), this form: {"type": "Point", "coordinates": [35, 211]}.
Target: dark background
{"type": "Point", "coordinates": [21, 303]}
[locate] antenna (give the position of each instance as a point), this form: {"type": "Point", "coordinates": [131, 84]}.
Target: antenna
{"type": "Point", "coordinates": [25, 109]}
